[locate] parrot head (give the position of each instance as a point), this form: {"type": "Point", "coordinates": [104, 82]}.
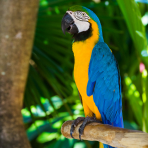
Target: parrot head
{"type": "Point", "coordinates": [81, 22]}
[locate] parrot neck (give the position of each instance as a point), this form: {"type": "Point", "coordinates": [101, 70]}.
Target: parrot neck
{"type": "Point", "coordinates": [86, 46]}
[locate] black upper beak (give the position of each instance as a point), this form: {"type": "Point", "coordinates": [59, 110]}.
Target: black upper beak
{"type": "Point", "coordinates": [68, 24]}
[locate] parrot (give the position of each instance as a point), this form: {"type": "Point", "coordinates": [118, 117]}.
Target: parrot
{"type": "Point", "coordinates": [96, 71]}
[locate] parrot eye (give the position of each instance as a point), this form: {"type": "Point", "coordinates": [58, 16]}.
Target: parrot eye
{"type": "Point", "coordinates": [83, 14]}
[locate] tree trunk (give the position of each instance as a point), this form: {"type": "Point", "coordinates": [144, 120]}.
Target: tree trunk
{"type": "Point", "coordinates": [17, 26]}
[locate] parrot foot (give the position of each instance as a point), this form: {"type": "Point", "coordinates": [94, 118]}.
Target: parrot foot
{"type": "Point", "coordinates": [75, 123]}
{"type": "Point", "coordinates": [85, 122]}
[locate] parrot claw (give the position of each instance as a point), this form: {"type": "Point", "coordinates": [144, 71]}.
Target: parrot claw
{"type": "Point", "coordinates": [80, 137]}
{"type": "Point", "coordinates": [71, 134]}
{"type": "Point", "coordinates": [74, 124]}
{"type": "Point", "coordinates": [85, 122]}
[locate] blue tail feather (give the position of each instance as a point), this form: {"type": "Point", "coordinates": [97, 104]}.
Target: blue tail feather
{"type": "Point", "coordinates": [107, 146]}
{"type": "Point", "coordinates": [118, 123]}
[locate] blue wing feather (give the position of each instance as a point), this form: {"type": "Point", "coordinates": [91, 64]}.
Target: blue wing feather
{"type": "Point", "coordinates": [104, 84]}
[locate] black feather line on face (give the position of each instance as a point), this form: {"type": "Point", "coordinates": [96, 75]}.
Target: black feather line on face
{"type": "Point", "coordinates": [82, 36]}
{"type": "Point", "coordinates": [79, 16]}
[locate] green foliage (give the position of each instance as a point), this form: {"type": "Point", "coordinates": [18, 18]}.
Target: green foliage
{"type": "Point", "coordinates": [51, 95]}
{"type": "Point", "coordinates": [145, 100]}
{"type": "Point", "coordinates": [134, 98]}
{"type": "Point", "coordinates": [132, 17]}
{"type": "Point", "coordinates": [133, 20]}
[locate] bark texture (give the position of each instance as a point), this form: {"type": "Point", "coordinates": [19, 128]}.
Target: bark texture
{"type": "Point", "coordinates": [117, 137]}
{"type": "Point", "coordinates": [17, 26]}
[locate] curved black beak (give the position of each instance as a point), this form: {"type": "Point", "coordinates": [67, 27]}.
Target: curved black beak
{"type": "Point", "coordinates": [68, 24]}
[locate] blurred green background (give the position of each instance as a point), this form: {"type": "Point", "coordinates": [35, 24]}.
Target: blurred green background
{"type": "Point", "coordinates": [51, 95]}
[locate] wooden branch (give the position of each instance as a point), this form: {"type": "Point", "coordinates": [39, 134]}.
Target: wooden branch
{"type": "Point", "coordinates": [110, 135]}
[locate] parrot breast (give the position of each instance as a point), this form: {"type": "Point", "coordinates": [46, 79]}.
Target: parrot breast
{"type": "Point", "coordinates": [82, 53]}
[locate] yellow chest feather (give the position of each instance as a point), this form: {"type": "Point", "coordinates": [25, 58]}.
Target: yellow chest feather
{"type": "Point", "coordinates": [82, 53]}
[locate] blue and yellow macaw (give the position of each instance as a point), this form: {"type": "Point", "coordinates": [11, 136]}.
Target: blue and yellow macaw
{"type": "Point", "coordinates": [96, 70]}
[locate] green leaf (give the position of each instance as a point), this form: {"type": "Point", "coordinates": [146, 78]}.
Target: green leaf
{"type": "Point", "coordinates": [134, 100]}
{"type": "Point", "coordinates": [38, 127]}
{"type": "Point", "coordinates": [45, 137]}
{"type": "Point", "coordinates": [132, 17]}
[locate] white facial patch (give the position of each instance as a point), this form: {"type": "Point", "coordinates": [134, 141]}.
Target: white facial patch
{"type": "Point", "coordinates": [80, 20]}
